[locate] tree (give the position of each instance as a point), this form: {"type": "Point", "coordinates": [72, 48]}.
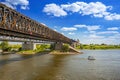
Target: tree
{"type": "Point", "coordinates": [5, 46]}
{"type": "Point", "coordinates": [65, 48]}
{"type": "Point", "coordinates": [81, 46]}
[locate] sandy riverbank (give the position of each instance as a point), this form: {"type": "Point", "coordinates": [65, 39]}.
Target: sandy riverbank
{"type": "Point", "coordinates": [59, 52]}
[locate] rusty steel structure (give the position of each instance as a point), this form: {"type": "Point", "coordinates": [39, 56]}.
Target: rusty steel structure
{"type": "Point", "coordinates": [14, 24]}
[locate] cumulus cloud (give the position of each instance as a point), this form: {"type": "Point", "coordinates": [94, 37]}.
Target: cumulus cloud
{"type": "Point", "coordinates": [95, 9]}
{"type": "Point", "coordinates": [71, 7]}
{"type": "Point", "coordinates": [55, 10]}
{"type": "Point", "coordinates": [68, 29]}
{"type": "Point", "coordinates": [113, 28]}
{"type": "Point", "coordinates": [14, 3]}
{"type": "Point", "coordinates": [89, 27]}
{"type": "Point", "coordinates": [112, 16]}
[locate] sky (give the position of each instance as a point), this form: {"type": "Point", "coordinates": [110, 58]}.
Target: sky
{"type": "Point", "coordinates": [90, 21]}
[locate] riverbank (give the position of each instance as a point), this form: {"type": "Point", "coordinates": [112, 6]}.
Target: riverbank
{"type": "Point", "coordinates": [49, 52]}
{"type": "Point", "coordinates": [33, 52]}
{"type": "Point", "coordinates": [59, 52]}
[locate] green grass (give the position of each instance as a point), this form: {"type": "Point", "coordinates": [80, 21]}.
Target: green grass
{"type": "Point", "coordinates": [26, 52]}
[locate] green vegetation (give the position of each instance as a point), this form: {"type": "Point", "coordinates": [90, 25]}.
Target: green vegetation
{"type": "Point", "coordinates": [39, 48]}
{"type": "Point", "coordinates": [26, 52]}
{"type": "Point", "coordinates": [98, 46]}
{"type": "Point", "coordinates": [65, 48]}
{"type": "Point", "coordinates": [15, 46]}
{"type": "Point", "coordinates": [5, 46]}
{"type": "Point", "coordinates": [42, 47]}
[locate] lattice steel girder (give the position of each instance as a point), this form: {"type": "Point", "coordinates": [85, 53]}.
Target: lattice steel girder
{"type": "Point", "coordinates": [15, 24]}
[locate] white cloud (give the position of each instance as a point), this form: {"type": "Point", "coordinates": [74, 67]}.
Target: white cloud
{"type": "Point", "coordinates": [14, 3]}
{"type": "Point", "coordinates": [71, 7]}
{"type": "Point", "coordinates": [99, 41]}
{"type": "Point", "coordinates": [112, 16]}
{"type": "Point", "coordinates": [96, 39]}
{"type": "Point", "coordinates": [89, 27]}
{"type": "Point", "coordinates": [55, 10]}
{"type": "Point", "coordinates": [116, 36]}
{"type": "Point", "coordinates": [113, 28]}
{"type": "Point", "coordinates": [55, 29]}
{"type": "Point", "coordinates": [9, 5]}
{"type": "Point", "coordinates": [108, 32]}
{"type": "Point", "coordinates": [43, 24]}
{"type": "Point", "coordinates": [95, 36]}
{"type": "Point", "coordinates": [71, 33]}
{"type": "Point", "coordinates": [62, 33]}
{"type": "Point", "coordinates": [68, 29]}
{"type": "Point", "coordinates": [24, 7]}
{"type": "Point", "coordinates": [95, 9]}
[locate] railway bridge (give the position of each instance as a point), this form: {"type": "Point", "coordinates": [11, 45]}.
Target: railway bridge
{"type": "Point", "coordinates": [15, 26]}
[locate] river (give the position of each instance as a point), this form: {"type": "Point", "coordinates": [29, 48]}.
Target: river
{"type": "Point", "coordinates": [61, 67]}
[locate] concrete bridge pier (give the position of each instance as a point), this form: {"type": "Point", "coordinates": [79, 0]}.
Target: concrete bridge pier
{"type": "Point", "coordinates": [58, 45]}
{"type": "Point", "coordinates": [28, 46]}
{"type": "Point", "coordinates": [73, 45]}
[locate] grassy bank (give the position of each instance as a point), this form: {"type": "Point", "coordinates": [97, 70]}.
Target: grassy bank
{"type": "Point", "coordinates": [98, 46]}
{"type": "Point", "coordinates": [40, 48]}
{"type": "Point", "coordinates": [26, 52]}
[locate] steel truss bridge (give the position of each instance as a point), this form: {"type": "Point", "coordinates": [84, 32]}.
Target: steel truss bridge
{"type": "Point", "coordinates": [15, 26]}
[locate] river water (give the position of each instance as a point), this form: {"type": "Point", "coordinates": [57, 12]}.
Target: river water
{"type": "Point", "coordinates": [61, 67]}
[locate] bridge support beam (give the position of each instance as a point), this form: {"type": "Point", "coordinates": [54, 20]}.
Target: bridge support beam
{"type": "Point", "coordinates": [58, 45]}
{"type": "Point", "coordinates": [28, 46]}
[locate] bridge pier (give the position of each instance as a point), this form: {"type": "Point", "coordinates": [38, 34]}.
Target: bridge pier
{"type": "Point", "coordinates": [75, 44]}
{"type": "Point", "coordinates": [58, 45]}
{"type": "Point", "coordinates": [28, 46]}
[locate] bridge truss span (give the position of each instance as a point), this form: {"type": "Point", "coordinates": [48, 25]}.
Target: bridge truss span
{"type": "Point", "coordinates": [14, 24]}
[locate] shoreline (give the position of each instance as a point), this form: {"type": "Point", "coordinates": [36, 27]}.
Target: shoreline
{"type": "Point", "coordinates": [59, 52]}
{"type": "Point", "coordinates": [34, 53]}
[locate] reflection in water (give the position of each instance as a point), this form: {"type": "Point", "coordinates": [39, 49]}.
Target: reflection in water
{"type": "Point", "coordinates": [53, 70]}
{"type": "Point", "coordinates": [61, 67]}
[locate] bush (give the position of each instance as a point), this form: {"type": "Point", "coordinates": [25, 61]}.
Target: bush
{"type": "Point", "coordinates": [65, 48]}
{"type": "Point", "coordinates": [5, 46]}
{"type": "Point", "coordinates": [42, 47]}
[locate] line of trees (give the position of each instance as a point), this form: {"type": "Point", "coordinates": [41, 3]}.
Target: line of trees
{"type": "Point", "coordinates": [97, 46]}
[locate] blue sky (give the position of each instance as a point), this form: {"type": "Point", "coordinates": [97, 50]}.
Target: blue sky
{"type": "Point", "coordinates": [90, 21]}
